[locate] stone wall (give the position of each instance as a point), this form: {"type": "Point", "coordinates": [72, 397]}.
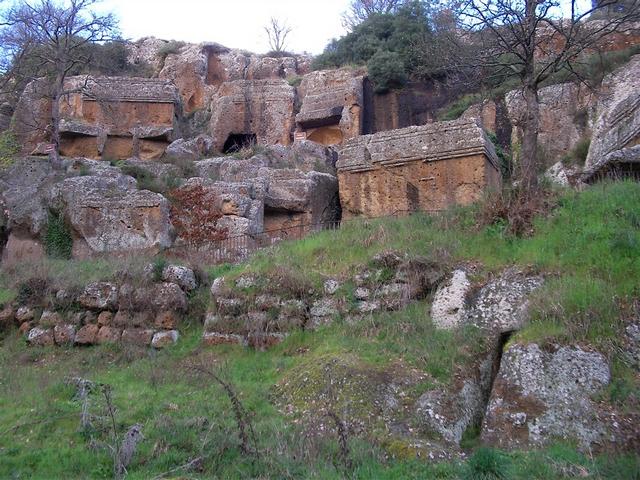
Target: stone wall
{"type": "Point", "coordinates": [425, 168]}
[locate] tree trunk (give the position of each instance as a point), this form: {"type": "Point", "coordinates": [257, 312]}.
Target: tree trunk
{"type": "Point", "coordinates": [55, 120]}
{"type": "Point", "coordinates": [529, 151]}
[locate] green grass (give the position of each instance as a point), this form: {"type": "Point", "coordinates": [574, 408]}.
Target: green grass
{"type": "Point", "coordinates": [41, 438]}
{"type": "Point", "coordinates": [588, 249]}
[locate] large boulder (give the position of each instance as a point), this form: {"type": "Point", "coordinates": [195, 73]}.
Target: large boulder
{"type": "Point", "coordinates": [502, 305]}
{"type": "Point", "coordinates": [192, 149]}
{"type": "Point", "coordinates": [24, 188]}
{"type": "Point", "coordinates": [618, 114]}
{"type": "Point", "coordinates": [107, 214]}
{"type": "Point", "coordinates": [544, 394]}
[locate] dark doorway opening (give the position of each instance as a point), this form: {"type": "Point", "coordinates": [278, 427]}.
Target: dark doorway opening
{"type": "Point", "coordinates": [237, 141]}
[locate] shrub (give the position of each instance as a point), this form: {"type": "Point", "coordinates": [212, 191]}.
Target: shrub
{"type": "Point", "coordinates": [32, 292]}
{"type": "Point", "coordinates": [57, 237]}
{"type": "Point", "coordinates": [386, 71]}
{"type": "Point", "coordinates": [159, 264]}
{"type": "Point", "coordinates": [144, 178]}
{"type": "Point", "coordinates": [455, 109]}
{"type": "Point", "coordinates": [294, 80]}
{"type": "Point", "coordinates": [506, 162]}
{"type": "Point", "coordinates": [578, 155]}
{"type": "Point", "coordinates": [9, 148]}
{"type": "Point", "coordinates": [169, 48]}
{"type": "Point", "coordinates": [513, 211]}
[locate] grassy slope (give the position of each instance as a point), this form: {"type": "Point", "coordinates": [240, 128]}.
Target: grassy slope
{"type": "Point", "coordinates": [590, 248]}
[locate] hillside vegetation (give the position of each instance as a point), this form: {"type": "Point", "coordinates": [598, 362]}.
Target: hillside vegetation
{"type": "Point", "coordinates": [588, 247]}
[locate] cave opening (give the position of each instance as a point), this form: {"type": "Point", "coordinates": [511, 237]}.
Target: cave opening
{"type": "Point", "coordinates": [237, 141]}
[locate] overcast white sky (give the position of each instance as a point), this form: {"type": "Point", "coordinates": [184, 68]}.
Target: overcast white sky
{"type": "Point", "coordinates": [233, 23]}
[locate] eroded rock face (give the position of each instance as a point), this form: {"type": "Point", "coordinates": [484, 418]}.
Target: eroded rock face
{"type": "Point", "coordinates": [259, 108]}
{"type": "Point", "coordinates": [24, 189]}
{"type": "Point", "coordinates": [618, 116]}
{"type": "Point", "coordinates": [115, 219]}
{"type": "Point", "coordinates": [425, 168]}
{"type": "Point", "coordinates": [104, 117]}
{"type": "Point", "coordinates": [502, 304]}
{"type": "Point", "coordinates": [448, 309]}
{"type": "Point", "coordinates": [193, 149]}
{"type": "Point", "coordinates": [332, 106]}
{"type": "Point", "coordinates": [566, 108]}
{"type": "Point", "coordinates": [540, 395]}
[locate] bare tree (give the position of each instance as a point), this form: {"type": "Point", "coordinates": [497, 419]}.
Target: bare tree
{"type": "Point", "coordinates": [277, 33]}
{"type": "Point", "coordinates": [532, 40]}
{"type": "Point", "coordinates": [360, 10]}
{"type": "Point", "coordinates": [53, 34]}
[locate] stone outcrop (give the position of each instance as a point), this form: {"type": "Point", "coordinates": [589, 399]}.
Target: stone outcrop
{"type": "Point", "coordinates": [117, 117]}
{"type": "Point", "coordinates": [107, 214]}
{"type": "Point", "coordinates": [252, 111]}
{"type": "Point", "coordinates": [541, 395]}
{"type": "Point", "coordinates": [102, 117]}
{"type": "Point", "coordinates": [618, 124]}
{"type": "Point", "coordinates": [332, 106]}
{"type": "Point", "coordinates": [566, 108]}
{"type": "Point", "coordinates": [277, 192]}
{"type": "Point", "coordinates": [425, 168]}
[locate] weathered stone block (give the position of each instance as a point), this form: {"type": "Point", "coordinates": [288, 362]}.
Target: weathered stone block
{"type": "Point", "coordinates": [427, 168]}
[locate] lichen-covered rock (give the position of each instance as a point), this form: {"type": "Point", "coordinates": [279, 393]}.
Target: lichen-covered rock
{"type": "Point", "coordinates": [40, 337]}
{"type": "Point", "coordinates": [99, 296]}
{"type": "Point", "coordinates": [323, 310]}
{"type": "Point", "coordinates": [541, 395]}
{"type": "Point", "coordinates": [448, 307]}
{"type": "Point", "coordinates": [7, 318]}
{"type": "Point", "coordinates": [618, 114]}
{"type": "Point", "coordinates": [616, 164]}
{"type": "Point", "coordinates": [182, 276]}
{"type": "Point", "coordinates": [87, 335]}
{"type": "Point", "coordinates": [108, 335]}
{"type": "Point", "coordinates": [169, 296]}
{"type": "Point", "coordinates": [24, 314]}
{"type": "Point", "coordinates": [160, 170]}
{"type": "Point", "coordinates": [24, 188]}
{"type": "Point", "coordinates": [632, 340]}
{"type": "Point", "coordinates": [137, 336]}
{"type": "Point", "coordinates": [331, 286]}
{"type": "Point", "coordinates": [217, 287]}
{"type": "Point", "coordinates": [109, 220]}
{"type": "Point", "coordinates": [502, 304]}
{"type": "Point", "coordinates": [64, 334]}
{"type": "Point", "coordinates": [562, 175]}
{"type": "Point", "coordinates": [214, 338]}
{"type": "Point", "coordinates": [193, 149]}
{"type": "Point", "coordinates": [49, 319]}
{"type": "Point", "coordinates": [165, 339]}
